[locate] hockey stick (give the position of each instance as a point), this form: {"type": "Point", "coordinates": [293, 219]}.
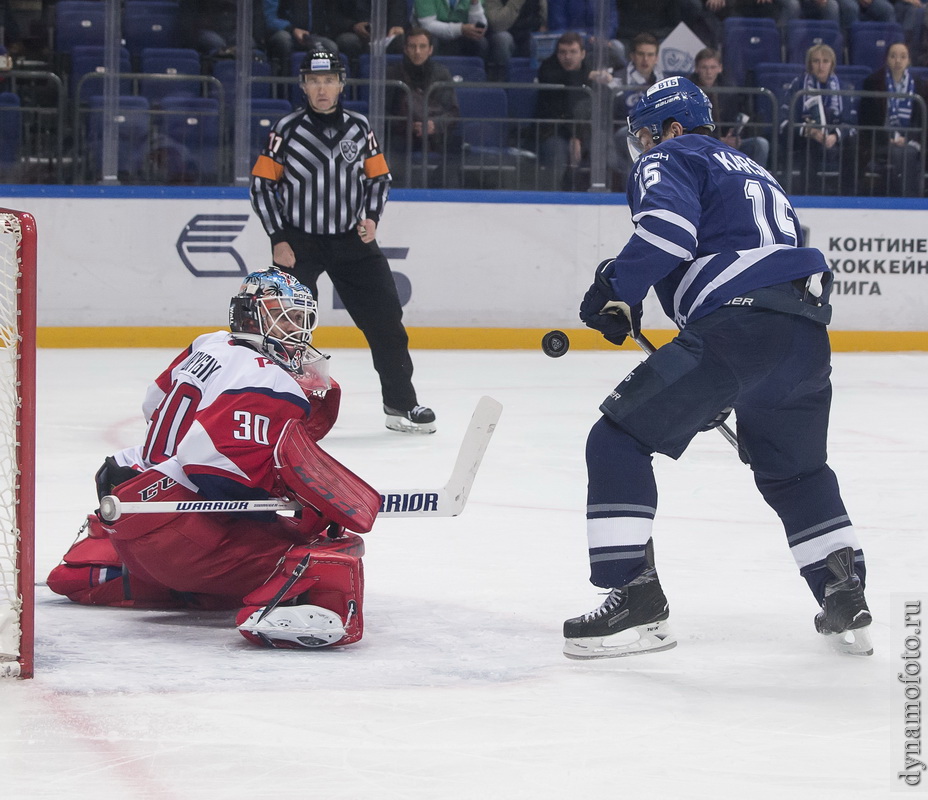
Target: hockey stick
{"type": "Point", "coordinates": [448, 501]}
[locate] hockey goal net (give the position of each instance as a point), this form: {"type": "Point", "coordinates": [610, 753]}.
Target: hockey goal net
{"type": "Point", "coordinates": [17, 441]}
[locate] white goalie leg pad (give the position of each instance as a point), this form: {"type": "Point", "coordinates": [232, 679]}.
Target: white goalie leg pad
{"type": "Point", "coordinates": [853, 642]}
{"type": "Point", "coordinates": [296, 626]}
{"type": "Point", "coordinates": [650, 638]}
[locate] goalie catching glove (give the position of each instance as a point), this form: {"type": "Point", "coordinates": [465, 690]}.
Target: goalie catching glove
{"type": "Point", "coordinates": [603, 312]}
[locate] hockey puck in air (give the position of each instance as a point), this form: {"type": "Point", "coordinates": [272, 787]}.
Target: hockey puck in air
{"type": "Point", "coordinates": [555, 343]}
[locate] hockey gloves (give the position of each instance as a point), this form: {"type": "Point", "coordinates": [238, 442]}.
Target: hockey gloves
{"type": "Point", "coordinates": [601, 311]}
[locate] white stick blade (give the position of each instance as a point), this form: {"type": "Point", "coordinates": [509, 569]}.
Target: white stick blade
{"type": "Point", "coordinates": [450, 500]}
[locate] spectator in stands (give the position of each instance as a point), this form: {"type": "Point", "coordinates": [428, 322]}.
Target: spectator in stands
{"type": "Point", "coordinates": [12, 39]}
{"type": "Point", "coordinates": [824, 137]}
{"type": "Point", "coordinates": [847, 12]}
{"type": "Point", "coordinates": [511, 25]}
{"type": "Point", "coordinates": [423, 123]}
{"type": "Point", "coordinates": [896, 149]}
{"type": "Point", "coordinates": [350, 25]}
{"type": "Point", "coordinates": [641, 71]}
{"type": "Point", "coordinates": [211, 26]}
{"type": "Point", "coordinates": [866, 11]}
{"type": "Point", "coordinates": [910, 14]}
{"type": "Point", "coordinates": [728, 108]}
{"type": "Point", "coordinates": [562, 113]}
{"type": "Point", "coordinates": [659, 18]}
{"type": "Point", "coordinates": [781, 11]}
{"type": "Point", "coordinates": [288, 26]}
{"type": "Point", "coordinates": [458, 29]}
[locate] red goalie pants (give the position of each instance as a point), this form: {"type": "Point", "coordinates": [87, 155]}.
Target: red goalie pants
{"type": "Point", "coordinates": [201, 560]}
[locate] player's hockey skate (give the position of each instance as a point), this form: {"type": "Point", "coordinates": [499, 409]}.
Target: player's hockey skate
{"type": "Point", "coordinates": [631, 620]}
{"type": "Point", "coordinates": [418, 419]}
{"type": "Point", "coordinates": [844, 618]}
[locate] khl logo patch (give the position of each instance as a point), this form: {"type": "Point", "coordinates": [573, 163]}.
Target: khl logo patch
{"type": "Point", "coordinates": [349, 150]}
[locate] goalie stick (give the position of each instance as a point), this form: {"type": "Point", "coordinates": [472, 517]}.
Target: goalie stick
{"type": "Point", "coordinates": [448, 501]}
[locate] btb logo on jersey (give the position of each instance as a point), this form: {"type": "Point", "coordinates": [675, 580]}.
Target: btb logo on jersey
{"type": "Point", "coordinates": [206, 245]}
{"type": "Point", "coordinates": [349, 150]}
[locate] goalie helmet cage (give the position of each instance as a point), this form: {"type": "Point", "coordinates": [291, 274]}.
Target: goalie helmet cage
{"type": "Point", "coordinates": [17, 442]}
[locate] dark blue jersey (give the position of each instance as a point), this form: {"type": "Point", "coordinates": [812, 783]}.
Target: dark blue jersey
{"type": "Point", "coordinates": [710, 225]}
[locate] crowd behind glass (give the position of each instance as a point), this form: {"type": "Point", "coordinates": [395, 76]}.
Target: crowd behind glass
{"type": "Point", "coordinates": [514, 101]}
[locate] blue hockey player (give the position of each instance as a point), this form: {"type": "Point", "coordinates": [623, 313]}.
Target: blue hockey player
{"type": "Point", "coordinates": [720, 243]}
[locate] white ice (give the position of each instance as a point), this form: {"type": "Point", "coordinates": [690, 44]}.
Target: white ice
{"type": "Point", "coordinates": [459, 688]}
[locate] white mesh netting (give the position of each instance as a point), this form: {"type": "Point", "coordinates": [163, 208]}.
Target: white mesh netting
{"type": "Point", "coordinates": [10, 598]}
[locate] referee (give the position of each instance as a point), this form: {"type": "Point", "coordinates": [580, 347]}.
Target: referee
{"type": "Point", "coordinates": [319, 187]}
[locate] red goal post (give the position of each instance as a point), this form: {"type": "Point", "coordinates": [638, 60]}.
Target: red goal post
{"type": "Point", "coordinates": [17, 442]}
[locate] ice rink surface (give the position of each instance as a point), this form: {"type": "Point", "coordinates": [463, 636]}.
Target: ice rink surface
{"type": "Point", "coordinates": [459, 688]}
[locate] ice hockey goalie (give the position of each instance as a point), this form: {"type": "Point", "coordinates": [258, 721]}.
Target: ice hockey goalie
{"type": "Point", "coordinates": [236, 416]}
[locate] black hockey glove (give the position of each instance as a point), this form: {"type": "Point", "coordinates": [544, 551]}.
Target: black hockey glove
{"type": "Point", "coordinates": [110, 475]}
{"type": "Point", "coordinates": [614, 323]}
{"type": "Point", "coordinates": [719, 419]}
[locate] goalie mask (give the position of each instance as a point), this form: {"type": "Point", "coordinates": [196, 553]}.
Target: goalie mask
{"type": "Point", "coordinates": [275, 314]}
{"type": "Point", "coordinates": [672, 99]}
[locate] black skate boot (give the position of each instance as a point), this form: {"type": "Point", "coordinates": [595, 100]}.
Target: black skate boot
{"type": "Point", "coordinates": [418, 419]}
{"type": "Point", "coordinates": [631, 620]}
{"type": "Point", "coordinates": [845, 618]}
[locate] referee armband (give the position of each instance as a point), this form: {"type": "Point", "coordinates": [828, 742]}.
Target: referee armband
{"type": "Point", "coordinates": [268, 168]}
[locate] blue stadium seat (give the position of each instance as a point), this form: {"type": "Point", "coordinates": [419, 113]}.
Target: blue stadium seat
{"type": "Point", "coordinates": [801, 34]}
{"type": "Point", "coordinates": [224, 71]}
{"type": "Point", "coordinates": [852, 77]}
{"type": "Point", "coordinates": [364, 73]}
{"type": "Point", "coordinates": [469, 69]}
{"type": "Point", "coordinates": [776, 77]}
{"type": "Point", "coordinates": [748, 42]}
{"type": "Point", "coordinates": [485, 131]}
{"type": "Point", "coordinates": [869, 41]}
{"type": "Point", "coordinates": [169, 61]}
{"type": "Point", "coordinates": [150, 23]}
{"type": "Point", "coordinates": [264, 113]}
{"type": "Point", "coordinates": [89, 60]}
{"type": "Point", "coordinates": [11, 131]}
{"type": "Point", "coordinates": [133, 120]}
{"type": "Point", "coordinates": [522, 70]}
{"type": "Point", "coordinates": [186, 148]}
{"type": "Point", "coordinates": [78, 23]}
{"type": "Point", "coordinates": [579, 16]}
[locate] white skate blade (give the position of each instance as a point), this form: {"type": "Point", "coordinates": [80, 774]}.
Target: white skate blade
{"type": "Point", "coordinates": [856, 642]}
{"type": "Point", "coordinates": [650, 638]}
{"type": "Point", "coordinates": [403, 425]}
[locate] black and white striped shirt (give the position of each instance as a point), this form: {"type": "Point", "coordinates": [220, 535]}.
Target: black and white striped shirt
{"type": "Point", "coordinates": [319, 173]}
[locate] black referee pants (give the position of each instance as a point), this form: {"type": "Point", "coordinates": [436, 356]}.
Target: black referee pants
{"type": "Point", "coordinates": [361, 275]}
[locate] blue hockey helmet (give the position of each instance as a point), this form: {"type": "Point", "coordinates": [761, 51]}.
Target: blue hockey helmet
{"type": "Point", "coordinates": [275, 314]}
{"type": "Point", "coordinates": [673, 98]}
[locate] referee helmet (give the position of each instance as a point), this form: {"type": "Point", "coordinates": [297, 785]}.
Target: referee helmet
{"type": "Point", "coordinates": [322, 61]}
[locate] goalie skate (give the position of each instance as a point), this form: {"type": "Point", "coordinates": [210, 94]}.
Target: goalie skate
{"type": "Point", "coordinates": [296, 626]}
{"type": "Point", "coordinates": [845, 619]}
{"type": "Point", "coordinates": [632, 620]}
